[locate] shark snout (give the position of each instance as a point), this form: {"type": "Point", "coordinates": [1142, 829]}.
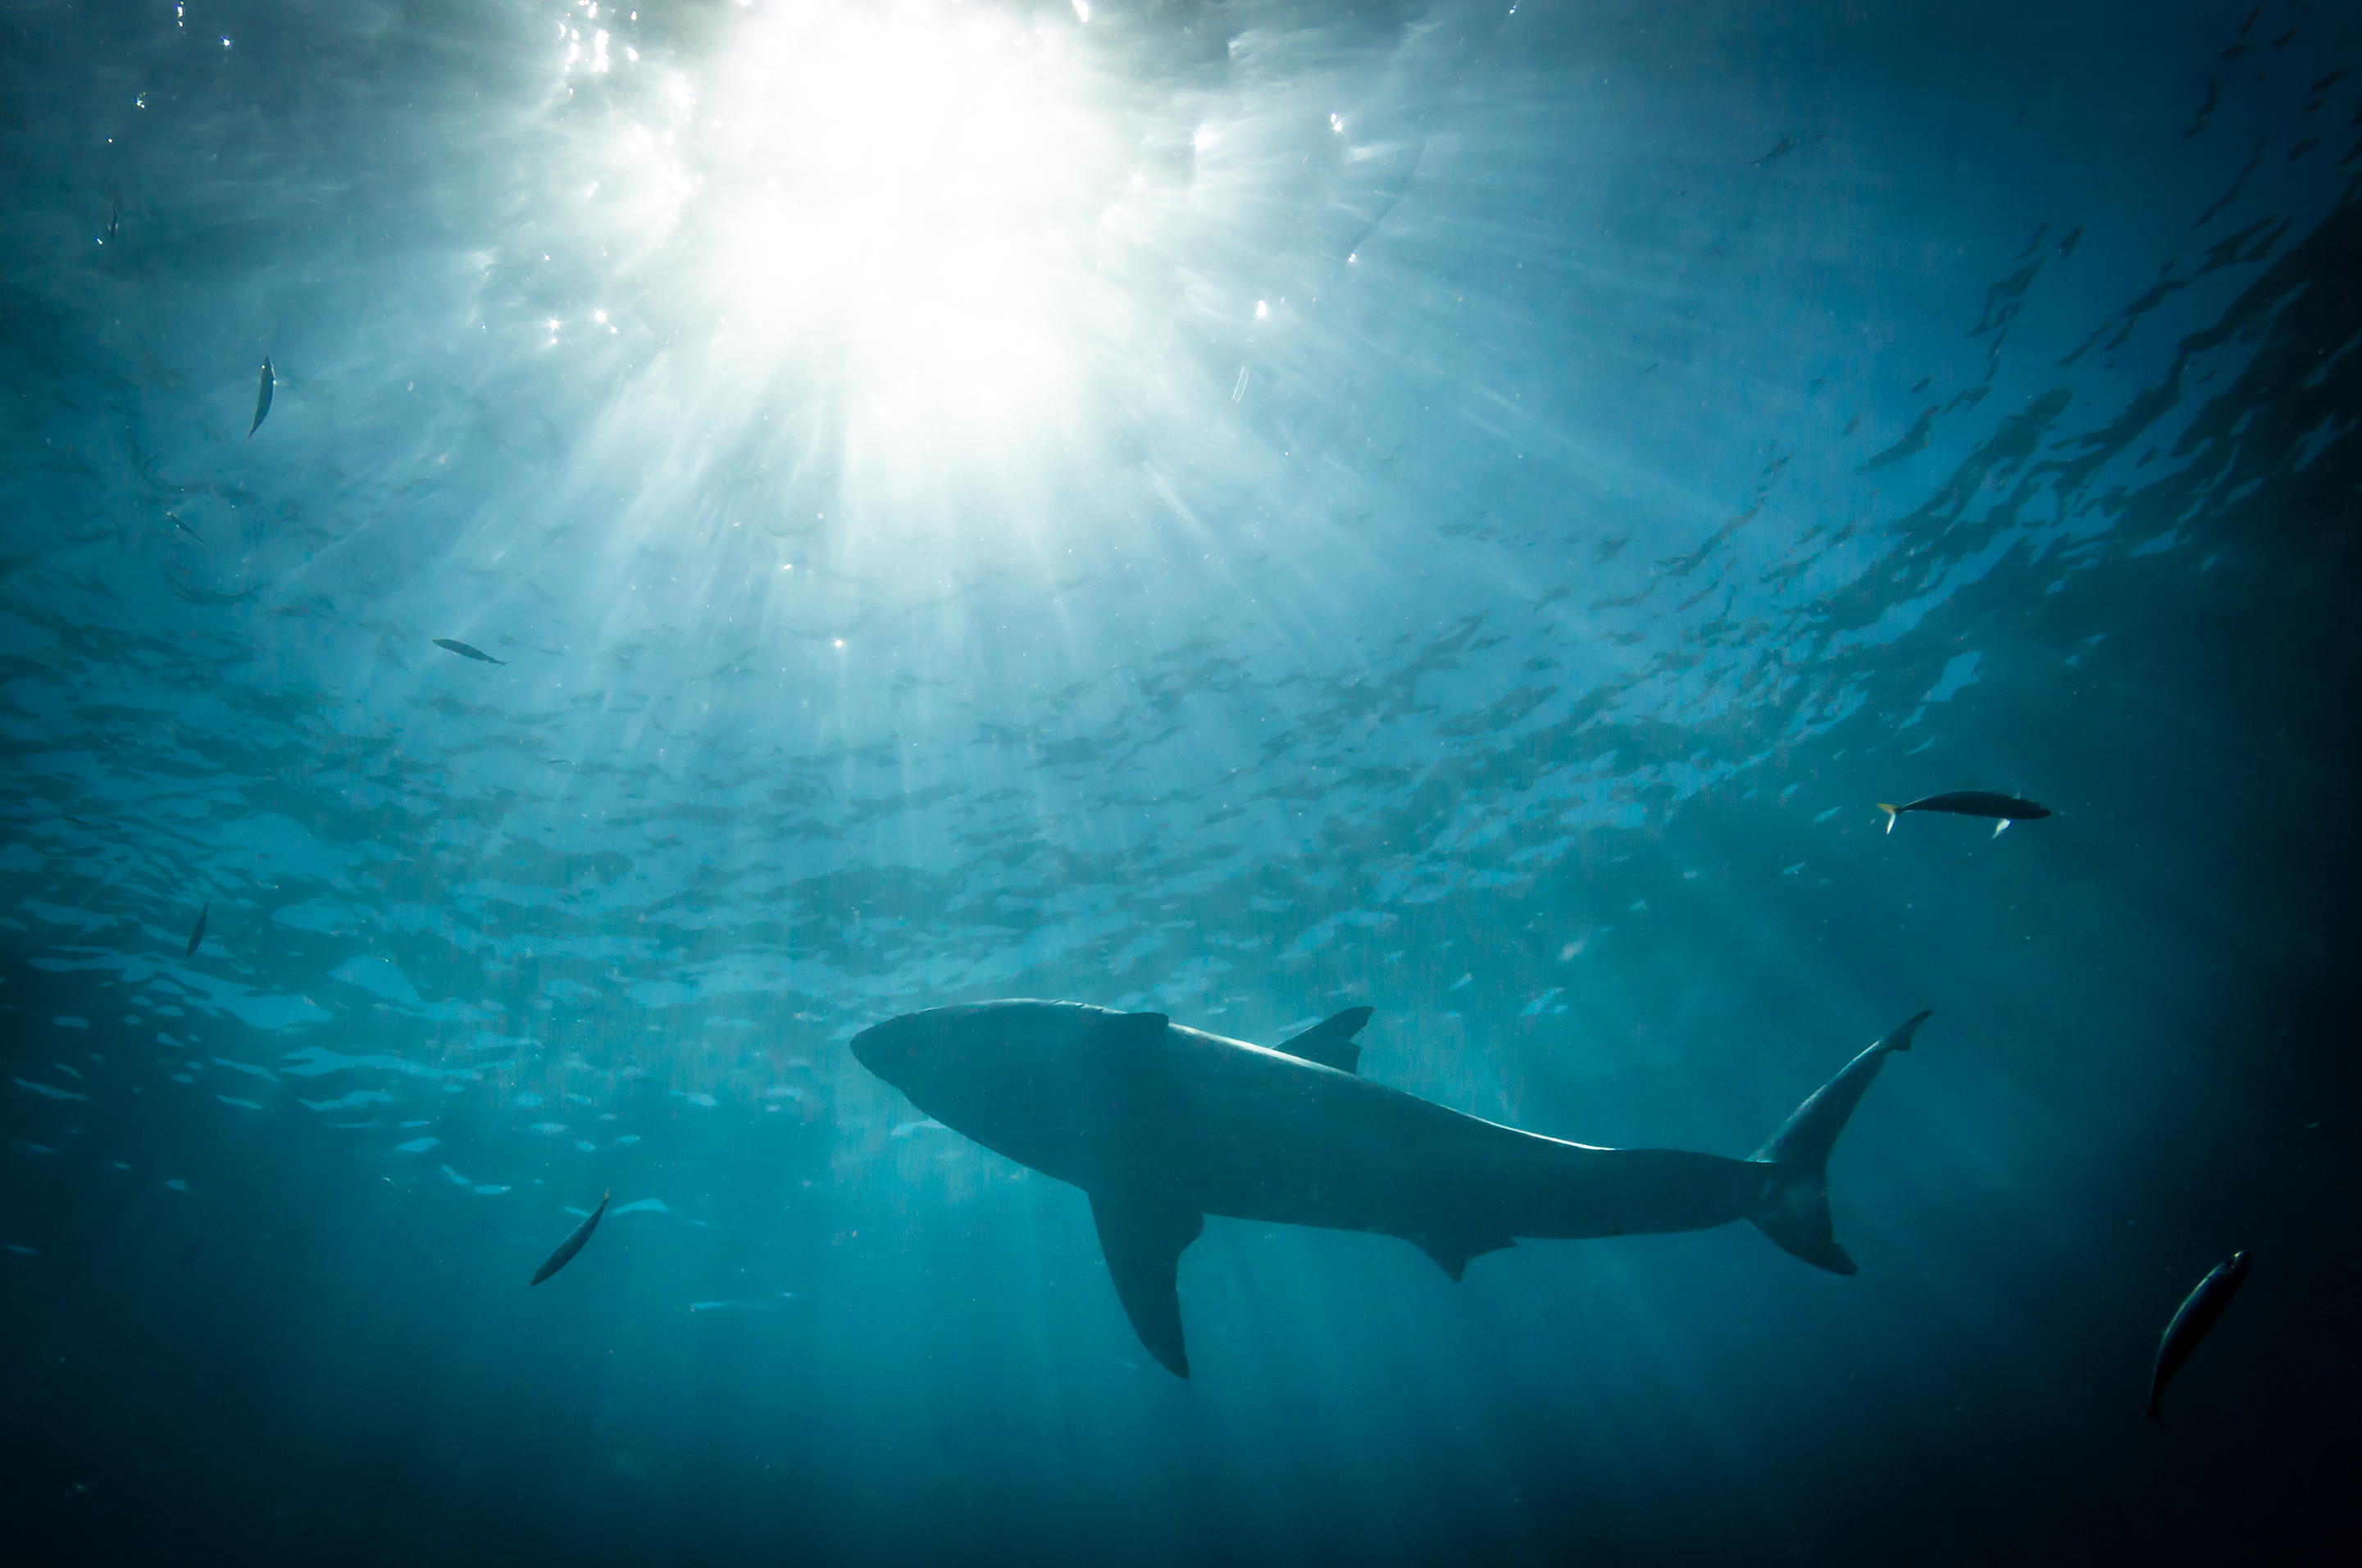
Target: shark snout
{"type": "Point", "coordinates": [965, 1043]}
{"type": "Point", "coordinates": [894, 1049]}
{"type": "Point", "coordinates": [880, 1046]}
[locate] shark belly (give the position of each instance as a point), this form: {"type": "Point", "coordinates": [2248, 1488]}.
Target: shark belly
{"type": "Point", "coordinates": [1249, 1134]}
{"type": "Point", "coordinates": [1220, 1127]}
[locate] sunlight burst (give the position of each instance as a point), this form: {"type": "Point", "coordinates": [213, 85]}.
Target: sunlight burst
{"type": "Point", "coordinates": [894, 202]}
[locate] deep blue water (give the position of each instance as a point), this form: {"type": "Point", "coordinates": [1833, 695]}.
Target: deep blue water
{"type": "Point", "coordinates": [1235, 510]}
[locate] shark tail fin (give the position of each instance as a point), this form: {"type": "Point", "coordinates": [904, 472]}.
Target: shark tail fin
{"type": "Point", "coordinates": [1892, 813]}
{"type": "Point", "coordinates": [1796, 1208]}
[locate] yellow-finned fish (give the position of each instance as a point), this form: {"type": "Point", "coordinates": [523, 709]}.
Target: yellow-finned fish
{"type": "Point", "coordinates": [261, 397]}
{"type": "Point", "coordinates": [1972, 803]}
{"type": "Point", "coordinates": [573, 1244]}
{"type": "Point", "coordinates": [2190, 1320]}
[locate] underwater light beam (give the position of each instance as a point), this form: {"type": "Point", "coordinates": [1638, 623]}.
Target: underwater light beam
{"type": "Point", "coordinates": [895, 205]}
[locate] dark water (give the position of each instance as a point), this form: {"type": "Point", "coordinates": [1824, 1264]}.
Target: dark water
{"type": "Point", "coordinates": [1237, 510]}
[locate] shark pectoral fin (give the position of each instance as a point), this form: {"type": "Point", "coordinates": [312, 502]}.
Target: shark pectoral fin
{"type": "Point", "coordinates": [1331, 1042]}
{"type": "Point", "coordinates": [1451, 1254]}
{"type": "Point", "coordinates": [2001, 827]}
{"type": "Point", "coordinates": [1142, 1237]}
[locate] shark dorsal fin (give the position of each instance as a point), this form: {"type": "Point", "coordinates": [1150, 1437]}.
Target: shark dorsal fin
{"type": "Point", "coordinates": [1331, 1043]}
{"type": "Point", "coordinates": [1141, 1237]}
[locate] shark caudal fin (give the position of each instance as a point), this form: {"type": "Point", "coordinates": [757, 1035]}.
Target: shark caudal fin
{"type": "Point", "coordinates": [1795, 1210]}
{"type": "Point", "coordinates": [1892, 813]}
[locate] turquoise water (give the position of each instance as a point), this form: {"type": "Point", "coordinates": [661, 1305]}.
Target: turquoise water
{"type": "Point", "coordinates": [1232, 510]}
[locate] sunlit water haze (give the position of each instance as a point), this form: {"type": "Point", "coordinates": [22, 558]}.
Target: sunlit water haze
{"type": "Point", "coordinates": [774, 517]}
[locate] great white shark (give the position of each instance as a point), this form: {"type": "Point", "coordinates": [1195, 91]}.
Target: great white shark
{"type": "Point", "coordinates": [1162, 1126]}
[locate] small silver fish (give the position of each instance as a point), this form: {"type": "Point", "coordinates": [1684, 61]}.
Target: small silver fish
{"type": "Point", "coordinates": [261, 398]}
{"type": "Point", "coordinates": [464, 651]}
{"type": "Point", "coordinates": [573, 1244]}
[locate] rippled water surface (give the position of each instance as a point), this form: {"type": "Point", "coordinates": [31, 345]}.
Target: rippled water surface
{"type": "Point", "coordinates": [1234, 509]}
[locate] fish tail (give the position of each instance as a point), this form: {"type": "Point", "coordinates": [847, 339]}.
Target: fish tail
{"type": "Point", "coordinates": [1892, 813]}
{"type": "Point", "coordinates": [2155, 1417]}
{"type": "Point", "coordinates": [1794, 1211]}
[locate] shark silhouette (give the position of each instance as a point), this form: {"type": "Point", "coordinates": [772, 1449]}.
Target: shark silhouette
{"type": "Point", "coordinates": [1163, 1124]}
